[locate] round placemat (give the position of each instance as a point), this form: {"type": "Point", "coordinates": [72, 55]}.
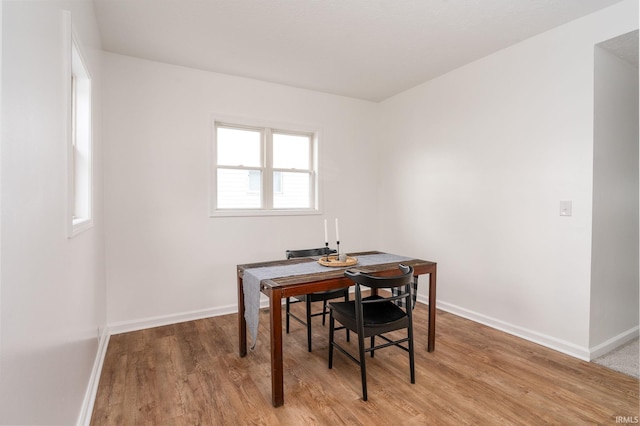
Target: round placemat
{"type": "Point", "coordinates": [332, 261]}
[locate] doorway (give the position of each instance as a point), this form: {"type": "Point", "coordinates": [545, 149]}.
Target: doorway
{"type": "Point", "coordinates": [614, 308]}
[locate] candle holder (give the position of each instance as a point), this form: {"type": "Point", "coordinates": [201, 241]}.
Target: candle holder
{"type": "Point", "coordinates": [326, 251]}
{"type": "Point", "coordinates": [338, 248]}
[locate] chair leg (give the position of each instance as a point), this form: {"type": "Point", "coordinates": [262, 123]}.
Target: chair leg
{"type": "Point", "coordinates": [324, 311]}
{"type": "Point", "coordinates": [363, 366]}
{"type": "Point", "coordinates": [346, 299]}
{"type": "Point", "coordinates": [287, 310]}
{"type": "Point", "coordinates": [373, 343]}
{"type": "Point", "coordinates": [331, 331]}
{"type": "Point", "coordinates": [412, 368]}
{"type": "Point", "coordinates": [308, 324]}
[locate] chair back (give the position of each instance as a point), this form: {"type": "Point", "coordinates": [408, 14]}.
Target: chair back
{"type": "Point", "coordinates": [309, 252]}
{"type": "Point", "coordinates": [401, 286]}
{"type": "Point", "coordinates": [397, 291]}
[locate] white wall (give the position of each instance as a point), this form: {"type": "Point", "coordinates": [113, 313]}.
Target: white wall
{"type": "Point", "coordinates": [614, 267]}
{"type": "Point", "coordinates": [1, 137]}
{"type": "Point", "coordinates": [476, 163]}
{"type": "Point", "coordinates": [166, 258]}
{"type": "Point", "coordinates": [53, 296]}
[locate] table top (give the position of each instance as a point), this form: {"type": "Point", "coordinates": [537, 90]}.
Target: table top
{"type": "Point", "coordinates": [337, 274]}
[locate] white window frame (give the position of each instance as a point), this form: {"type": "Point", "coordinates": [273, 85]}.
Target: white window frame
{"type": "Point", "coordinates": [80, 140]}
{"type": "Point", "coordinates": [267, 128]}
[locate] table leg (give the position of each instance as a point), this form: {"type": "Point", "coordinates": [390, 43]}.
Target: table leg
{"type": "Point", "coordinates": [431, 345]}
{"type": "Point", "coordinates": [277, 380]}
{"type": "Point", "coordinates": [242, 323]}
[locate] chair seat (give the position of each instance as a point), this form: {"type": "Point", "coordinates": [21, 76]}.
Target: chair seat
{"type": "Point", "coordinates": [374, 314]}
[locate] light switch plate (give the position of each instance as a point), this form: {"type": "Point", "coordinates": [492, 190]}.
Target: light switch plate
{"type": "Point", "coordinates": [565, 208]}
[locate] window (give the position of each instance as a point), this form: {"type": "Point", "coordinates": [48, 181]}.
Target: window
{"type": "Point", "coordinates": [260, 170]}
{"type": "Point", "coordinates": [80, 179]}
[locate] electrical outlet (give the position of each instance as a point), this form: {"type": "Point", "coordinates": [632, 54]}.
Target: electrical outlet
{"type": "Point", "coordinates": [565, 208]}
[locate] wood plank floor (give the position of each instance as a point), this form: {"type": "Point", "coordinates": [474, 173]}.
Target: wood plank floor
{"type": "Point", "coordinates": [191, 374]}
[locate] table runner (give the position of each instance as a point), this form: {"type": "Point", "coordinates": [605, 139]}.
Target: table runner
{"type": "Point", "coordinates": [252, 277]}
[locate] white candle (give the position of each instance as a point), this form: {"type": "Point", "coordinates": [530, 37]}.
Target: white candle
{"type": "Point", "coordinates": [337, 234]}
{"type": "Point", "coordinates": [326, 235]}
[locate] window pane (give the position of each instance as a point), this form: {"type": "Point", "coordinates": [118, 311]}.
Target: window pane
{"type": "Point", "coordinates": [291, 151]}
{"type": "Point", "coordinates": [238, 147]}
{"type": "Point", "coordinates": [255, 180]}
{"type": "Point", "coordinates": [237, 189]}
{"type": "Point", "coordinates": [277, 182]}
{"type": "Point", "coordinates": [80, 145]}
{"type": "Point", "coordinates": [294, 190]}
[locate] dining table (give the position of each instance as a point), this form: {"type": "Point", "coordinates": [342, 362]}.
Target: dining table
{"type": "Point", "coordinates": [280, 279]}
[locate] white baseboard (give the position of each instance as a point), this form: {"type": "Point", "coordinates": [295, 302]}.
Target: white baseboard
{"type": "Point", "coordinates": [550, 342]}
{"type": "Point", "coordinates": [94, 380]}
{"type": "Point", "coordinates": [614, 342]}
{"type": "Point", "coordinates": [143, 323]}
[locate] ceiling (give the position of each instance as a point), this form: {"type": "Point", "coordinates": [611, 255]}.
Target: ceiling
{"type": "Point", "coordinates": [366, 49]}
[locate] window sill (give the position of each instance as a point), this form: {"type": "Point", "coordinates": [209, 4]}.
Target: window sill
{"type": "Point", "coordinates": [259, 212]}
{"type": "Point", "coordinates": [80, 225]}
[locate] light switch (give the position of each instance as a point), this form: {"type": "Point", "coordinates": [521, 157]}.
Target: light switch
{"type": "Point", "coordinates": [565, 208]}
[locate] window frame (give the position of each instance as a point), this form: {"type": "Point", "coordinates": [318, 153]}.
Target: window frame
{"type": "Point", "coordinates": [267, 130]}
{"type": "Point", "coordinates": [80, 139]}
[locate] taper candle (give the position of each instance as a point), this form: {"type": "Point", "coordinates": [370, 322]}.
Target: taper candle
{"type": "Point", "coordinates": [337, 233]}
{"type": "Point", "coordinates": [326, 235]}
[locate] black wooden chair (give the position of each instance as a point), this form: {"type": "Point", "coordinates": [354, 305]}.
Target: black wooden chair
{"type": "Point", "coordinates": [321, 296]}
{"type": "Point", "coordinates": [374, 316]}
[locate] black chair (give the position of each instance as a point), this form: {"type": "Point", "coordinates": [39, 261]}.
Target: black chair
{"type": "Point", "coordinates": [321, 296]}
{"type": "Point", "coordinates": [374, 316]}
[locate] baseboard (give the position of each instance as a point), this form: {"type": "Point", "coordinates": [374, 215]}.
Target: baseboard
{"type": "Point", "coordinates": [550, 342]}
{"type": "Point", "coordinates": [144, 323]}
{"type": "Point", "coordinates": [94, 380]}
{"type": "Point", "coordinates": [614, 342]}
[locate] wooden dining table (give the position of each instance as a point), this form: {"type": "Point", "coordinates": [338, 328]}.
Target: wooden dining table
{"type": "Point", "coordinates": [287, 285]}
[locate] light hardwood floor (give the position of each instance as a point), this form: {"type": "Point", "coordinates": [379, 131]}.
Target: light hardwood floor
{"type": "Point", "coordinates": [191, 374]}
